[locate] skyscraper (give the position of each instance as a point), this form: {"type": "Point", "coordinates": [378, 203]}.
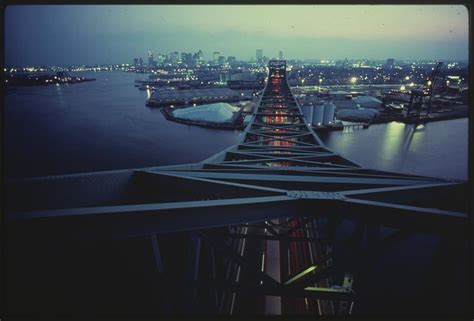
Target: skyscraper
{"type": "Point", "coordinates": [259, 56]}
{"type": "Point", "coordinates": [221, 60]}
{"type": "Point", "coordinates": [215, 57]}
{"type": "Point", "coordinates": [200, 57]}
{"type": "Point", "coordinates": [280, 55]}
{"type": "Point", "coordinates": [151, 62]}
{"type": "Point", "coordinates": [184, 56]}
{"type": "Point", "coordinates": [189, 59]}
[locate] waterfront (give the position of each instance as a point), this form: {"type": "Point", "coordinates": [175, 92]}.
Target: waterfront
{"type": "Point", "coordinates": [101, 125]}
{"type": "Point", "coordinates": [105, 125]}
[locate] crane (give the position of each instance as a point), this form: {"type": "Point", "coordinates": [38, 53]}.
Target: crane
{"type": "Point", "coordinates": [418, 95]}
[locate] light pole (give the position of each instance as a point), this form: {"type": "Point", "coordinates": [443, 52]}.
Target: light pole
{"type": "Point", "coordinates": [320, 81]}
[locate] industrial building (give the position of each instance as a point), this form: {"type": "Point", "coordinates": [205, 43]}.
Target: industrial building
{"type": "Point", "coordinates": [367, 101]}
{"type": "Point", "coordinates": [321, 114]}
{"type": "Point", "coordinates": [217, 113]}
{"type": "Point", "coordinates": [357, 115]}
{"type": "Point", "coordinates": [173, 97]}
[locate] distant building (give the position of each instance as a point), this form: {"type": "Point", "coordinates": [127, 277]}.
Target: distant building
{"type": "Point", "coordinates": [174, 57]}
{"type": "Point", "coordinates": [215, 57]}
{"type": "Point", "coordinates": [200, 57]}
{"type": "Point", "coordinates": [151, 62]}
{"type": "Point", "coordinates": [197, 96]}
{"type": "Point", "coordinates": [231, 60]}
{"type": "Point", "coordinates": [246, 84]}
{"type": "Point", "coordinates": [183, 57]}
{"type": "Point", "coordinates": [160, 58]}
{"type": "Point", "coordinates": [221, 60]}
{"type": "Point", "coordinates": [259, 56]}
{"type": "Point", "coordinates": [136, 62]}
{"type": "Point", "coordinates": [247, 75]}
{"type": "Point", "coordinates": [140, 62]}
{"type": "Point", "coordinates": [345, 64]}
{"type": "Point", "coordinates": [390, 63]}
{"type": "Point", "coordinates": [280, 55]}
{"type": "Point", "coordinates": [190, 60]}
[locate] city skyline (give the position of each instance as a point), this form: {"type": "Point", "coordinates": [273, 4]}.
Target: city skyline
{"type": "Point", "coordinates": [84, 34]}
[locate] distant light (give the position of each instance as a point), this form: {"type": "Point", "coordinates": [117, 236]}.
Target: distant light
{"type": "Point", "coordinates": [429, 82]}
{"type": "Point", "coordinates": [402, 87]}
{"type": "Point", "coordinates": [412, 84]}
{"type": "Point", "coordinates": [407, 77]}
{"type": "Point", "coordinates": [353, 80]}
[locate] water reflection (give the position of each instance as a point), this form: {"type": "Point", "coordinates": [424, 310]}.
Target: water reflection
{"type": "Point", "coordinates": [437, 149]}
{"type": "Point", "coordinates": [391, 142]}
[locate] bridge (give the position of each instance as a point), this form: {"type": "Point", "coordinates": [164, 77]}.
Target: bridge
{"type": "Point", "coordinates": [254, 225]}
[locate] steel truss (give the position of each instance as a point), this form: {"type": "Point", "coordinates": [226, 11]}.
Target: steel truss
{"type": "Point", "coordinates": [273, 186]}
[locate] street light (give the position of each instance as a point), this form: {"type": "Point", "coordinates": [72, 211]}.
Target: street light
{"type": "Point", "coordinates": [353, 80]}
{"type": "Point", "coordinates": [320, 81]}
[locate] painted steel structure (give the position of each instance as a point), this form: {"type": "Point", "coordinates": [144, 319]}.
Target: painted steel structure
{"type": "Point", "coordinates": [273, 186]}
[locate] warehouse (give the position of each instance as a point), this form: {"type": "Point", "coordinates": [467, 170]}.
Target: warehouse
{"type": "Point", "coordinates": [174, 97]}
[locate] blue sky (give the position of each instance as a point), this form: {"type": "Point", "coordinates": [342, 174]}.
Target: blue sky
{"type": "Point", "coordinates": [89, 34]}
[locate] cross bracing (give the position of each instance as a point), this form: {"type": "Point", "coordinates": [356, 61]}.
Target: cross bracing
{"type": "Point", "coordinates": [279, 173]}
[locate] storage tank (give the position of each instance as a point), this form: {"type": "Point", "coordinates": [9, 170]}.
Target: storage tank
{"type": "Point", "coordinates": [318, 113]}
{"type": "Point", "coordinates": [329, 109]}
{"type": "Point", "coordinates": [308, 113]}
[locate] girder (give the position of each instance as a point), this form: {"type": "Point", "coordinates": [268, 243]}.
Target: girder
{"type": "Point", "coordinates": [274, 157]}
{"type": "Point", "coordinates": [280, 170]}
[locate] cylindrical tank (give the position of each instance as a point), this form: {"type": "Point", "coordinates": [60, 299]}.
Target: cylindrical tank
{"type": "Point", "coordinates": [318, 113]}
{"type": "Point", "coordinates": [329, 109]}
{"type": "Point", "coordinates": [308, 113]}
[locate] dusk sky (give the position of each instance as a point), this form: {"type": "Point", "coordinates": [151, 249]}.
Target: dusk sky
{"type": "Point", "coordinates": [89, 34]}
